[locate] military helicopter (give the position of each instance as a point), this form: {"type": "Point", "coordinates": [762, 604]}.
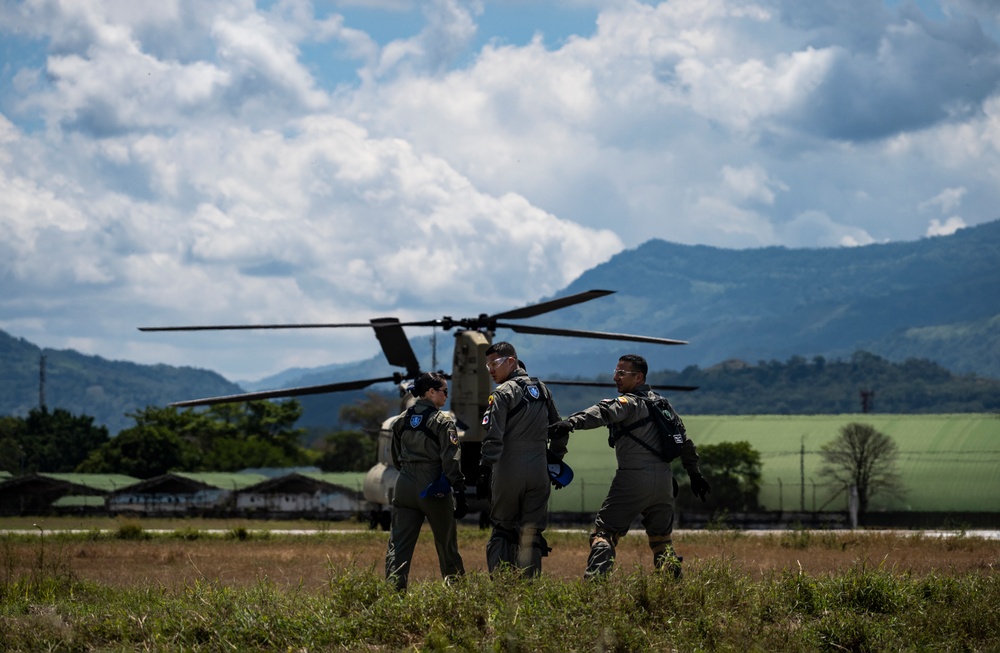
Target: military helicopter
{"type": "Point", "coordinates": [470, 382]}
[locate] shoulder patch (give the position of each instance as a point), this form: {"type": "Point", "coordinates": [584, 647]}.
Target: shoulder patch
{"type": "Point", "coordinates": [623, 399]}
{"type": "Point", "coordinates": [489, 402]}
{"type": "Point", "coordinates": [453, 438]}
{"type": "Point", "coordinates": [415, 420]}
{"type": "Point", "coordinates": [533, 391]}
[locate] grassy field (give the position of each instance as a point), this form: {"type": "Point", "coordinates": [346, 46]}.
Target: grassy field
{"type": "Point", "coordinates": [125, 589]}
{"type": "Point", "coordinates": [948, 463]}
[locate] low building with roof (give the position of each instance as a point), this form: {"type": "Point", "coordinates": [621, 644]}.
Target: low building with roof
{"type": "Point", "coordinates": [308, 495]}
{"type": "Point", "coordinates": [46, 493]}
{"type": "Point", "coordinates": [183, 493]}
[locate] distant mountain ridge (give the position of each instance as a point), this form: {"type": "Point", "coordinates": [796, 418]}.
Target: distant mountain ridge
{"type": "Point", "coordinates": [935, 299]}
{"type": "Point", "coordinates": [91, 385]}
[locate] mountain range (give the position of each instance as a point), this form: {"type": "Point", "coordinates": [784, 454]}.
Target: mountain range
{"type": "Point", "coordinates": [935, 298]}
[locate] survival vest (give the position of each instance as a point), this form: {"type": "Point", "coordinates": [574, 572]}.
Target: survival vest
{"type": "Point", "coordinates": [668, 424]}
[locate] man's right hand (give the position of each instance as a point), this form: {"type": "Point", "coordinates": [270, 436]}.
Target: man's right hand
{"type": "Point", "coordinates": [699, 486]}
{"type": "Point", "coordinates": [560, 429]}
{"type": "Point", "coordinates": [483, 483]}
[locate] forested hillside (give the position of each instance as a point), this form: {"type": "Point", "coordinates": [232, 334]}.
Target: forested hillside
{"type": "Point", "coordinates": [95, 386]}
{"type": "Point", "coordinates": [806, 387]}
{"type": "Point", "coordinates": [935, 298]}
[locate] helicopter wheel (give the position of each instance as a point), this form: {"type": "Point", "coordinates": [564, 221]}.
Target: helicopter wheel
{"type": "Point", "coordinates": [484, 520]}
{"type": "Point", "coordinates": [385, 520]}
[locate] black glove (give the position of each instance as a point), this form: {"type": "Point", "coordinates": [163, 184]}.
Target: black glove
{"type": "Point", "coordinates": [699, 486]}
{"type": "Point", "coordinates": [483, 483]}
{"type": "Point", "coordinates": [560, 429]}
{"type": "Point", "coordinates": [461, 504]}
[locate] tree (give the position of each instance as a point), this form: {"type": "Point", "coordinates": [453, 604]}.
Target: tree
{"type": "Point", "coordinates": [226, 437]}
{"type": "Point", "coordinates": [143, 451]}
{"type": "Point", "coordinates": [733, 469]}
{"type": "Point", "coordinates": [11, 452]}
{"type": "Point", "coordinates": [347, 451]}
{"type": "Point", "coordinates": [58, 441]}
{"type": "Point", "coordinates": [369, 413]}
{"type": "Point", "coordinates": [865, 458]}
{"type": "Point", "coordinates": [355, 450]}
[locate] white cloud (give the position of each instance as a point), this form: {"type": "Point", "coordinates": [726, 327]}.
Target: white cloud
{"type": "Point", "coordinates": [189, 162]}
{"type": "Point", "coordinates": [946, 201]}
{"type": "Point", "coordinates": [950, 226]}
{"type": "Point", "coordinates": [816, 229]}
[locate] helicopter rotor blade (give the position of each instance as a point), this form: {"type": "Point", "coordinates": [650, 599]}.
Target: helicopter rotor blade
{"type": "Point", "coordinates": [287, 392]}
{"type": "Point", "coordinates": [245, 327]}
{"type": "Point", "coordinates": [551, 305]}
{"type": "Point", "coordinates": [599, 384]}
{"type": "Point", "coordinates": [395, 345]}
{"type": "Point", "coordinates": [598, 335]}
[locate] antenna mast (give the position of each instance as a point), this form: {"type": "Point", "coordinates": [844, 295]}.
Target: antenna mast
{"type": "Point", "coordinates": [434, 349]}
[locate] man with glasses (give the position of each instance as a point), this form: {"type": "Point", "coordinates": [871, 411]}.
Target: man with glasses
{"type": "Point", "coordinates": [513, 472]}
{"type": "Point", "coordinates": [643, 483]}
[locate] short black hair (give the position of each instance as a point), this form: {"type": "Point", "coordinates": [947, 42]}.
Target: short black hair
{"type": "Point", "coordinates": [502, 349]}
{"type": "Point", "coordinates": [427, 381]}
{"type": "Point", "coordinates": [637, 362]}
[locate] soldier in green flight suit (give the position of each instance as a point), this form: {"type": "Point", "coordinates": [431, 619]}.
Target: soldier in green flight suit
{"type": "Point", "coordinates": [513, 472]}
{"type": "Point", "coordinates": [425, 450]}
{"type": "Point", "coordinates": [643, 483]}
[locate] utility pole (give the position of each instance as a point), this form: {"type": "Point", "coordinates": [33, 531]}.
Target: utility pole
{"type": "Point", "coordinates": [41, 382]}
{"type": "Point", "coordinates": [802, 474]}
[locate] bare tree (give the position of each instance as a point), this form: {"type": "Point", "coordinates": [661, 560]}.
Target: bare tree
{"type": "Point", "coordinates": [863, 457]}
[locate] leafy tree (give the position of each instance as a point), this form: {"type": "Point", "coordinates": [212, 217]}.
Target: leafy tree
{"type": "Point", "coordinates": [143, 451]}
{"type": "Point", "coordinates": [347, 451]}
{"type": "Point", "coordinates": [11, 453]}
{"type": "Point", "coordinates": [225, 437]}
{"type": "Point", "coordinates": [55, 441]}
{"type": "Point", "coordinates": [355, 450]}
{"type": "Point", "coordinates": [733, 469]}
{"type": "Point", "coordinates": [863, 457]}
{"type": "Point", "coordinates": [368, 414]}
{"type": "Point", "coordinates": [266, 428]}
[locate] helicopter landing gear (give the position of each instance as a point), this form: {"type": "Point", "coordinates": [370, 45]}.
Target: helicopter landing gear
{"type": "Point", "coordinates": [380, 519]}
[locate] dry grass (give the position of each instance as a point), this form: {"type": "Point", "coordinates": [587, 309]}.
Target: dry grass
{"type": "Point", "coordinates": [306, 560]}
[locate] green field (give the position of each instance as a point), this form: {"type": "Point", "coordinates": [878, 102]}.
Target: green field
{"type": "Point", "coordinates": [948, 463]}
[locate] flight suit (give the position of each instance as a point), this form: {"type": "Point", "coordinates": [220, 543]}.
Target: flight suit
{"type": "Point", "coordinates": [643, 483]}
{"type": "Point", "coordinates": [514, 445]}
{"type": "Point", "coordinates": [424, 445]}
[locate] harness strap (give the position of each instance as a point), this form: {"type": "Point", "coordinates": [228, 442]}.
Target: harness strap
{"type": "Point", "coordinates": [526, 397]}
{"type": "Point", "coordinates": [422, 424]}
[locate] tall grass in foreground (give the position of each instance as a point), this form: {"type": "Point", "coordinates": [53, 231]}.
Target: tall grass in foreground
{"type": "Point", "coordinates": [714, 607]}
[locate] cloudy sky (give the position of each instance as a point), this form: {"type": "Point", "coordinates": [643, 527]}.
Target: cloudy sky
{"type": "Point", "coordinates": [232, 161]}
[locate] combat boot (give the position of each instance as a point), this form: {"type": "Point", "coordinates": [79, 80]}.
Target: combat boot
{"type": "Point", "coordinates": [668, 562]}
